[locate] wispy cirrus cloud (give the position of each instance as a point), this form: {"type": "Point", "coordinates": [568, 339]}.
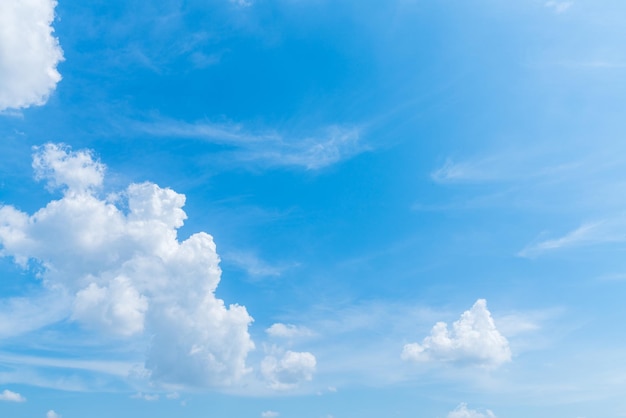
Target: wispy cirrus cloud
{"type": "Point", "coordinates": [329, 146]}
{"type": "Point", "coordinates": [559, 6]}
{"type": "Point", "coordinates": [253, 265]}
{"type": "Point", "coordinates": [607, 231]}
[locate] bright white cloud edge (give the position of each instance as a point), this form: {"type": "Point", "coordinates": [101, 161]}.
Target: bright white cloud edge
{"type": "Point", "coordinates": [29, 53]}
{"type": "Point", "coordinates": [473, 339]}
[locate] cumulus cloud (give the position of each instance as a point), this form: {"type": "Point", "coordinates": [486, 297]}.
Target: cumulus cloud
{"type": "Point", "coordinates": [71, 171]}
{"type": "Point", "coordinates": [289, 370]}
{"type": "Point", "coordinates": [9, 396]}
{"type": "Point", "coordinates": [52, 414]}
{"type": "Point", "coordinates": [29, 53]}
{"type": "Point", "coordinates": [269, 414]}
{"type": "Point", "coordinates": [473, 339]}
{"type": "Point", "coordinates": [126, 273]}
{"type": "Point", "coordinates": [461, 411]}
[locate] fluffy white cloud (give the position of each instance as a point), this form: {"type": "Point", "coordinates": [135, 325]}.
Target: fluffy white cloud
{"type": "Point", "coordinates": [29, 53]}
{"type": "Point", "coordinates": [9, 396]}
{"type": "Point", "coordinates": [127, 273]}
{"type": "Point", "coordinates": [289, 370]}
{"type": "Point", "coordinates": [71, 171]}
{"type": "Point", "coordinates": [269, 414]}
{"type": "Point", "coordinates": [52, 414]}
{"type": "Point", "coordinates": [461, 411]}
{"type": "Point", "coordinates": [279, 330]}
{"type": "Point", "coordinates": [473, 339]}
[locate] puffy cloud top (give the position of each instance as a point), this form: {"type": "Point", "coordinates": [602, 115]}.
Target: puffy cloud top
{"type": "Point", "coordinates": [289, 370]}
{"type": "Point", "coordinates": [75, 172]}
{"type": "Point", "coordinates": [10, 396]}
{"type": "Point", "coordinates": [473, 339]}
{"type": "Point", "coordinates": [126, 272]}
{"type": "Point", "coordinates": [29, 53]}
{"type": "Point", "coordinates": [462, 411]}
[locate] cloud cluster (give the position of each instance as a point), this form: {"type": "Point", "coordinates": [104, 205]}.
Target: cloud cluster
{"type": "Point", "coordinates": [29, 53]}
{"type": "Point", "coordinates": [126, 274]}
{"type": "Point", "coordinates": [461, 411]}
{"type": "Point", "coordinates": [473, 339]}
{"type": "Point", "coordinates": [289, 370]}
{"type": "Point", "coordinates": [9, 396]}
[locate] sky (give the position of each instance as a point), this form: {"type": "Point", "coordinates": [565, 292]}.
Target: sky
{"type": "Point", "coordinates": [312, 209]}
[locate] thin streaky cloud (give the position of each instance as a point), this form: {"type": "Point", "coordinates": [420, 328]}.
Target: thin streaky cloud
{"type": "Point", "coordinates": [559, 6]}
{"type": "Point", "coordinates": [253, 265]}
{"type": "Point", "coordinates": [334, 144]}
{"type": "Point", "coordinates": [602, 232]}
{"type": "Point", "coordinates": [115, 368]}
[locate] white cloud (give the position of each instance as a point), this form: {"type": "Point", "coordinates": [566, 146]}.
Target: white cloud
{"type": "Point", "coordinates": [334, 144]}
{"type": "Point", "coordinates": [52, 414]}
{"type": "Point", "coordinates": [9, 396]}
{"type": "Point", "coordinates": [242, 3]}
{"type": "Point", "coordinates": [461, 411]}
{"type": "Point", "coordinates": [126, 273]}
{"type": "Point", "coordinates": [288, 371]}
{"type": "Point", "coordinates": [29, 53]}
{"type": "Point", "coordinates": [146, 396]}
{"type": "Point", "coordinates": [559, 6]}
{"type": "Point", "coordinates": [473, 339]}
{"type": "Point", "coordinates": [279, 330]}
{"type": "Point", "coordinates": [603, 232]}
{"type": "Point", "coordinates": [269, 414]}
{"type": "Point", "coordinates": [62, 168]}
{"type": "Point", "coordinates": [253, 265]}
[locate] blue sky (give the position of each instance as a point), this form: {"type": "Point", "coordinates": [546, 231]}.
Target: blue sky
{"type": "Point", "coordinates": [312, 209]}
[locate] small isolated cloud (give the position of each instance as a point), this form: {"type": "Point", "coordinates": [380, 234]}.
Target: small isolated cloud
{"type": "Point", "coordinates": [253, 265]}
{"type": "Point", "coordinates": [288, 371]}
{"type": "Point", "coordinates": [473, 339]}
{"type": "Point", "coordinates": [461, 411]}
{"type": "Point", "coordinates": [146, 396]}
{"type": "Point", "coordinates": [9, 396]}
{"type": "Point", "coordinates": [125, 273]}
{"type": "Point", "coordinates": [29, 53]}
{"type": "Point", "coordinates": [559, 6]}
{"type": "Point", "coordinates": [287, 331]}
{"type": "Point", "coordinates": [242, 3]}
{"type": "Point", "coordinates": [52, 414]}
{"type": "Point", "coordinates": [330, 146]}
{"type": "Point", "coordinates": [269, 414]}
